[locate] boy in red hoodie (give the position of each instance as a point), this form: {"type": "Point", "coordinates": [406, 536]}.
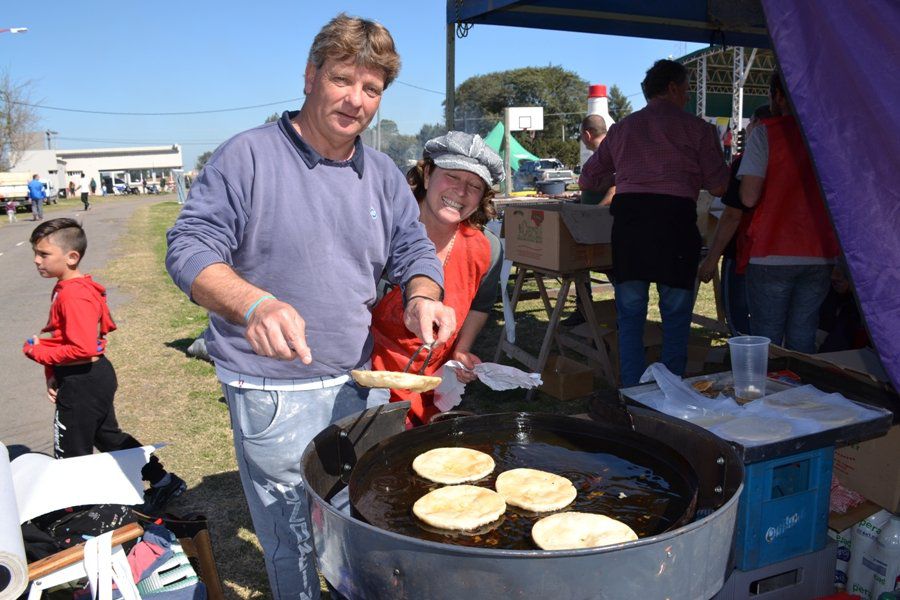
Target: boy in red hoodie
{"type": "Point", "coordinates": [80, 379]}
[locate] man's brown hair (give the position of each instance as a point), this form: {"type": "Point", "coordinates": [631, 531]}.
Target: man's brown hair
{"type": "Point", "coordinates": [660, 75]}
{"type": "Point", "coordinates": [365, 43]}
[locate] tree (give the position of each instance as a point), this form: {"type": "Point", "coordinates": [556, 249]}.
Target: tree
{"type": "Point", "coordinates": [402, 149]}
{"type": "Point", "coordinates": [619, 105]}
{"type": "Point", "coordinates": [481, 99]}
{"type": "Point", "coordinates": [272, 118]}
{"type": "Point", "coordinates": [202, 160]}
{"type": "Point", "coordinates": [18, 120]}
{"type": "Point", "coordinates": [388, 129]}
{"type": "Point", "coordinates": [429, 132]}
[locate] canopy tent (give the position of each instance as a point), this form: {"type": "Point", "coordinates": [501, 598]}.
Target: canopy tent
{"type": "Point", "coordinates": [495, 140]}
{"type": "Point", "coordinates": [833, 60]}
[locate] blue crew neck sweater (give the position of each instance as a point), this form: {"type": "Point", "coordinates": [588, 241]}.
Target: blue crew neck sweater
{"type": "Point", "coordinates": [315, 233]}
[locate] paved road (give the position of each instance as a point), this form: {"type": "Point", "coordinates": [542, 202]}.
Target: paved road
{"type": "Point", "coordinates": [26, 415]}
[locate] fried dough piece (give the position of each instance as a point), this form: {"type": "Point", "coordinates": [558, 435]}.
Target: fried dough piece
{"type": "Point", "coordinates": [453, 465]}
{"type": "Point", "coordinates": [395, 380]}
{"type": "Point", "coordinates": [754, 429]}
{"type": "Point", "coordinates": [574, 530]}
{"type": "Point", "coordinates": [702, 385]}
{"type": "Point", "coordinates": [535, 490]}
{"type": "Point", "coordinates": [460, 507]}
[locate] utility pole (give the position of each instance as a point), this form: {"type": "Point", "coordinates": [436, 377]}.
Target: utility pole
{"type": "Point", "coordinates": [50, 133]}
{"type": "Point", "coordinates": [378, 129]}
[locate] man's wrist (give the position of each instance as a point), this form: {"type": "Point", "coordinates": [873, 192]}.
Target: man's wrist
{"type": "Point", "coordinates": [255, 305]}
{"type": "Point", "coordinates": [406, 301]}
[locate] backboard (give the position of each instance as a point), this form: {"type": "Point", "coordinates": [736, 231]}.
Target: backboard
{"type": "Point", "coordinates": [530, 118]}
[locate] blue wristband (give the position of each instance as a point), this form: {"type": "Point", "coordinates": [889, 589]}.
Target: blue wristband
{"type": "Point", "coordinates": [255, 304]}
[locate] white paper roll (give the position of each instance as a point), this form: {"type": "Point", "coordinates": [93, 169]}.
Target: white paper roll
{"type": "Point", "coordinates": [12, 550]}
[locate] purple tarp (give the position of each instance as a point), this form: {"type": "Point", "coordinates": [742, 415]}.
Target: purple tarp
{"type": "Point", "coordinates": [841, 64]}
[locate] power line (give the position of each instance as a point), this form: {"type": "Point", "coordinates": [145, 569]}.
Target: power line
{"type": "Point", "coordinates": [424, 89]}
{"type": "Point", "coordinates": [187, 112]}
{"type": "Point", "coordinates": [139, 142]}
{"type": "Point", "coordinates": [154, 114]}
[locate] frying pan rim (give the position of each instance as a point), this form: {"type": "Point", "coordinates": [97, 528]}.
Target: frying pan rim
{"type": "Point", "coordinates": [552, 422]}
{"type": "Point", "coordinates": [494, 552]}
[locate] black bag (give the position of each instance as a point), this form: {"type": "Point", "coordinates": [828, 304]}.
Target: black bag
{"type": "Point", "coordinates": [65, 528]}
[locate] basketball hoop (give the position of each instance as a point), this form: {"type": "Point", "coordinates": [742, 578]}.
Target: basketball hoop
{"type": "Point", "coordinates": [529, 132]}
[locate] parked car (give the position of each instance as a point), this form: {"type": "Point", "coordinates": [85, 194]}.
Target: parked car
{"type": "Point", "coordinates": [122, 188]}
{"type": "Point", "coordinates": [530, 172]}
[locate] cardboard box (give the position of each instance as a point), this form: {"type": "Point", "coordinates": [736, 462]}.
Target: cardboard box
{"type": "Point", "coordinates": [864, 361]}
{"type": "Point", "coordinates": [697, 351]}
{"type": "Point", "coordinates": [566, 379]}
{"type": "Point", "coordinates": [706, 220]}
{"type": "Point", "coordinates": [863, 365]}
{"type": "Point", "coordinates": [872, 468]}
{"type": "Point", "coordinates": [839, 522]}
{"type": "Point", "coordinates": [605, 310]}
{"type": "Point", "coordinates": [559, 237]}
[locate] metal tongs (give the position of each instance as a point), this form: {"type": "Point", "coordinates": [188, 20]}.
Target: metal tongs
{"type": "Point", "coordinates": [412, 359]}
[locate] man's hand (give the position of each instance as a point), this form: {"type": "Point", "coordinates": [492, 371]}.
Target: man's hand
{"type": "Point", "coordinates": [277, 330]}
{"type": "Point", "coordinates": [423, 315]}
{"type": "Point", "coordinates": [468, 360]}
{"type": "Point", "coordinates": [708, 268]}
{"type": "Point", "coordinates": [52, 389]}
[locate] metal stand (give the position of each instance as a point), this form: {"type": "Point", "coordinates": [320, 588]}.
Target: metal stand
{"type": "Point", "coordinates": [581, 279]}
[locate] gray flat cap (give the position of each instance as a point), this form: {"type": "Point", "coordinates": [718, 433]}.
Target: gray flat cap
{"type": "Point", "coordinates": [466, 152]}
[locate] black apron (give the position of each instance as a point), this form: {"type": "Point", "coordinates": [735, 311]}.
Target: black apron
{"type": "Point", "coordinates": [655, 238]}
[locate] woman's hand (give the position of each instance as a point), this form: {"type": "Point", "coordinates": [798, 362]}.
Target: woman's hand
{"type": "Point", "coordinates": [469, 360]}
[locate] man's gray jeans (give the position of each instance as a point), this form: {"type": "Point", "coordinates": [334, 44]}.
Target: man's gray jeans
{"type": "Point", "coordinates": [271, 431]}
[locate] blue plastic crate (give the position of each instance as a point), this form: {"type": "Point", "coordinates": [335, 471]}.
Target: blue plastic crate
{"type": "Point", "coordinates": [783, 509]}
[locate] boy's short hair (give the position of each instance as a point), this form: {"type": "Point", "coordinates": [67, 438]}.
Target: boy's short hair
{"type": "Point", "coordinates": [66, 233]}
{"type": "Point", "coordinates": [365, 43]}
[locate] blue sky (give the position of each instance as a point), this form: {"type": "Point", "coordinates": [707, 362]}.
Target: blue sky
{"type": "Point", "coordinates": [200, 55]}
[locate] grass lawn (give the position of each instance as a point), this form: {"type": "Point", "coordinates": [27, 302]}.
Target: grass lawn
{"type": "Point", "coordinates": [167, 397]}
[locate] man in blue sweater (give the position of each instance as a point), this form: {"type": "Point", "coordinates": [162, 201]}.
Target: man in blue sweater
{"type": "Point", "coordinates": [283, 238]}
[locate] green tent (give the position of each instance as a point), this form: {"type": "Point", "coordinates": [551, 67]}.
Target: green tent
{"type": "Point", "coordinates": [495, 140]}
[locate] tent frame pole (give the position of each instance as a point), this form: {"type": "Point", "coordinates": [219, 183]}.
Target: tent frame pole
{"type": "Point", "coordinates": [450, 102]}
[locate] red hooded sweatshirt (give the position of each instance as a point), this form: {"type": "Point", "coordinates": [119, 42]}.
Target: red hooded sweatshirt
{"type": "Point", "coordinates": [78, 324]}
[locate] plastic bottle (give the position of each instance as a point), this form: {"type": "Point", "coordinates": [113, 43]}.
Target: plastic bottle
{"type": "Point", "coordinates": [598, 104]}
{"type": "Point", "coordinates": [887, 556]}
{"type": "Point", "coordinates": [863, 540]}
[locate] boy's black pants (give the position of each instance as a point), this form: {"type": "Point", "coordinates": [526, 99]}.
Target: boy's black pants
{"type": "Point", "coordinates": [86, 418]}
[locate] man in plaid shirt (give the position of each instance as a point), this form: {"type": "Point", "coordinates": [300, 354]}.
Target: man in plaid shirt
{"type": "Point", "coordinates": [662, 157]}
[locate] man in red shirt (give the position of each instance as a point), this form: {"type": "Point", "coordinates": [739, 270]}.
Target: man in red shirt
{"type": "Point", "coordinates": [662, 157]}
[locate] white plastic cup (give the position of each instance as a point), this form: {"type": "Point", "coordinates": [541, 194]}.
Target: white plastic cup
{"type": "Point", "coordinates": [749, 366]}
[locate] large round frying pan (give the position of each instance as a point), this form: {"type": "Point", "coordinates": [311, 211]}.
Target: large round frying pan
{"type": "Point", "coordinates": [617, 472]}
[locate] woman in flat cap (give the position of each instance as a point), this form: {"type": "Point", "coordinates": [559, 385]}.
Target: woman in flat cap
{"type": "Point", "coordinates": [452, 184]}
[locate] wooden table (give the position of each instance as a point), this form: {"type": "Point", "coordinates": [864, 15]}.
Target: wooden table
{"type": "Point", "coordinates": [581, 279]}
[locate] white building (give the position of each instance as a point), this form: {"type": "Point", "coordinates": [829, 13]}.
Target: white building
{"type": "Point", "coordinates": [131, 166]}
{"type": "Point", "coordinates": [48, 166]}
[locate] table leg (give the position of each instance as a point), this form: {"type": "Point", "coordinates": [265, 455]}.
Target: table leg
{"type": "Point", "coordinates": [591, 317]}
{"type": "Point", "coordinates": [552, 328]}
{"type": "Point", "coordinates": [561, 296]}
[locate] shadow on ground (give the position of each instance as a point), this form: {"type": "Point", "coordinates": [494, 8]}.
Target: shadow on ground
{"type": "Point", "coordinates": [181, 344]}
{"type": "Point", "coordinates": [231, 532]}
